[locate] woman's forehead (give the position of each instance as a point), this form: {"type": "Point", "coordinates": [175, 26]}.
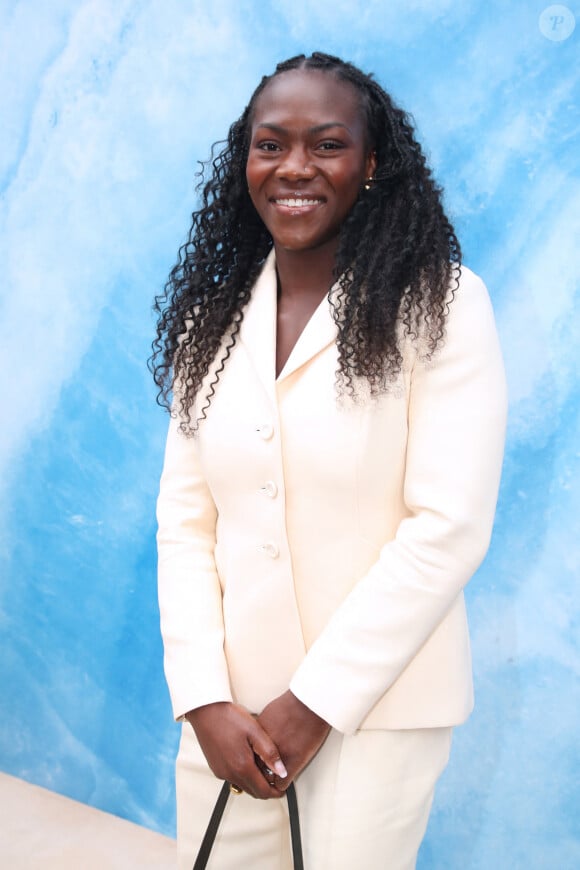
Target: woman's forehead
{"type": "Point", "coordinates": [317, 96]}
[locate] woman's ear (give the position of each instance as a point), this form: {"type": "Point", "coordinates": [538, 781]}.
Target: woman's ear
{"type": "Point", "coordinates": [371, 164]}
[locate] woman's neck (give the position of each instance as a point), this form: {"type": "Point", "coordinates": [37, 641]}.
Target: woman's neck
{"type": "Point", "coordinates": [305, 273]}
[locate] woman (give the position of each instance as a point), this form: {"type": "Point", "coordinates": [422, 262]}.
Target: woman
{"type": "Point", "coordinates": [330, 478]}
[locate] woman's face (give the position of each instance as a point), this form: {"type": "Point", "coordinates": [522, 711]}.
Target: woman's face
{"type": "Point", "coordinates": [308, 157]}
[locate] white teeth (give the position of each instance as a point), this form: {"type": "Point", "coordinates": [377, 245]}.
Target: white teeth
{"type": "Point", "coordinates": [296, 203]}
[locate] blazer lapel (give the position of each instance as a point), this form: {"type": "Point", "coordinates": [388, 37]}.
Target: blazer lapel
{"type": "Point", "coordinates": [258, 330]}
{"type": "Point", "coordinates": [319, 332]}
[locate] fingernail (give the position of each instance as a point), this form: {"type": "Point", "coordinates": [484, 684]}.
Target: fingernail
{"type": "Point", "coordinates": [280, 770]}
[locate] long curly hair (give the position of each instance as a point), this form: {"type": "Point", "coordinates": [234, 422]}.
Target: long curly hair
{"type": "Point", "coordinates": [397, 260]}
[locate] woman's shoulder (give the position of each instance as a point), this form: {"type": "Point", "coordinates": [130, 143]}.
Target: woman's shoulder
{"type": "Point", "coordinates": [469, 281]}
{"type": "Point", "coordinates": [469, 297]}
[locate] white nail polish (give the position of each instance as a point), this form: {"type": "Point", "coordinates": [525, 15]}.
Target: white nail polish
{"type": "Point", "coordinates": [280, 770]}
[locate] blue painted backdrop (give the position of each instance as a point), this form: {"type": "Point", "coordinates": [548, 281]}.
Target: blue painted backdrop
{"type": "Point", "coordinates": [106, 106]}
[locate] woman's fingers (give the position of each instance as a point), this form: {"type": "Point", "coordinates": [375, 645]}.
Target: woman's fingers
{"type": "Point", "coordinates": [229, 736]}
{"type": "Point", "coordinates": [253, 781]}
{"type": "Point", "coordinates": [298, 731]}
{"type": "Point", "coordinates": [267, 751]}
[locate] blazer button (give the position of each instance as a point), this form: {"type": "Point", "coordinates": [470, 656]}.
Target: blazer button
{"type": "Point", "coordinates": [265, 431]}
{"type": "Point", "coordinates": [270, 550]}
{"type": "Point", "coordinates": [270, 489]}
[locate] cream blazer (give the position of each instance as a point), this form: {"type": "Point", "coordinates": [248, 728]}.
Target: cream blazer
{"type": "Point", "coordinates": [323, 545]}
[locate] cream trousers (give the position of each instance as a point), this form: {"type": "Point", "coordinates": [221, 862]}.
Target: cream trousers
{"type": "Point", "coordinates": [364, 802]}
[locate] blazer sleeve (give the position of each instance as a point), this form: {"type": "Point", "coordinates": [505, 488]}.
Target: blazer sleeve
{"type": "Point", "coordinates": [457, 416]}
{"type": "Point", "coordinates": [190, 598]}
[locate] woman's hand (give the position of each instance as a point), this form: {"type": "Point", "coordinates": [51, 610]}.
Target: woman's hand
{"type": "Point", "coordinates": [297, 731]}
{"type": "Point", "coordinates": [229, 736]}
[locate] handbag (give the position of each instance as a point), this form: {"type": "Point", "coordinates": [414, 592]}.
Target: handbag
{"type": "Point", "coordinates": [216, 817]}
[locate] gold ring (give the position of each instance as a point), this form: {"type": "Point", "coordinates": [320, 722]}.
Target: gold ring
{"type": "Point", "coordinates": [235, 789]}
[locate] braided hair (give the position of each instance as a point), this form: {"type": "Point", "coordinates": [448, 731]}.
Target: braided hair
{"type": "Point", "coordinates": [397, 260]}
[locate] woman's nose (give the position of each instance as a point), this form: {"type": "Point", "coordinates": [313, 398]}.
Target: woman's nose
{"type": "Point", "coordinates": [296, 165]}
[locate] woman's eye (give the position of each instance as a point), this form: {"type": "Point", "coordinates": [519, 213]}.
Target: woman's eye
{"type": "Point", "coordinates": [330, 145]}
{"type": "Point", "coordinates": [268, 146]}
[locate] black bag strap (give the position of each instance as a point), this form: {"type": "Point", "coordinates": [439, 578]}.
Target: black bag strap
{"type": "Point", "coordinates": [295, 827]}
{"type": "Point", "coordinates": [216, 817]}
{"type": "Point", "coordinates": [212, 828]}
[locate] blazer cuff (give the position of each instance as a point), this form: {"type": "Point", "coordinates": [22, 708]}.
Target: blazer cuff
{"type": "Point", "coordinates": [329, 709]}
{"type": "Point", "coordinates": [210, 699]}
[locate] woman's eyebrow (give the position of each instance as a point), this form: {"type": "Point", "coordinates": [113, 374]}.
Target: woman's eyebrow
{"type": "Point", "coordinates": [319, 128]}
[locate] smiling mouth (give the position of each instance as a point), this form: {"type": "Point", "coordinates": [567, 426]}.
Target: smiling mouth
{"type": "Point", "coordinates": [296, 202]}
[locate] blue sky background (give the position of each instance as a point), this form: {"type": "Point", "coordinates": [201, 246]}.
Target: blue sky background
{"type": "Point", "coordinates": [106, 107]}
